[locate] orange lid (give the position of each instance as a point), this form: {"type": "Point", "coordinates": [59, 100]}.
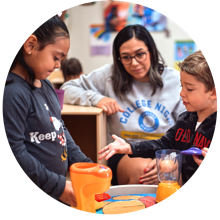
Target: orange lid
{"type": "Point", "coordinates": [94, 169]}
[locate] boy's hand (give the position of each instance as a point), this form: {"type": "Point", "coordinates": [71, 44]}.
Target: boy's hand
{"type": "Point", "coordinates": [119, 146]}
{"type": "Point", "coordinates": [196, 158]}
{"type": "Point", "coordinates": [150, 176]}
{"type": "Point", "coordinates": [109, 106]}
{"type": "Point", "coordinates": [68, 195]}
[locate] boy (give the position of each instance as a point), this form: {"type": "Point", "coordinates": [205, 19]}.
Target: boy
{"type": "Point", "coordinates": [194, 127]}
{"type": "Point", "coordinates": [72, 69]}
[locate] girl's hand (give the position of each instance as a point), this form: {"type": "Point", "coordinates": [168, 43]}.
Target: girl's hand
{"type": "Point", "coordinates": [196, 158]}
{"type": "Point", "coordinates": [119, 146]}
{"type": "Point", "coordinates": [150, 176]}
{"type": "Point", "coordinates": [109, 106]}
{"type": "Point", "coordinates": [68, 195]}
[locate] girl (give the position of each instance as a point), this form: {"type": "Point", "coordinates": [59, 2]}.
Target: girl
{"type": "Point", "coordinates": [138, 93]}
{"type": "Point", "coordinates": [32, 114]}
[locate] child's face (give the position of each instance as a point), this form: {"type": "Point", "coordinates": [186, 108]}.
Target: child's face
{"type": "Point", "coordinates": [193, 93]}
{"type": "Point", "coordinates": [45, 61]}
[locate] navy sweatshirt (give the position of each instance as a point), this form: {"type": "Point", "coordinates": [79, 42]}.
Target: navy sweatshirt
{"type": "Point", "coordinates": [37, 135]}
{"type": "Point", "coordinates": [181, 136]}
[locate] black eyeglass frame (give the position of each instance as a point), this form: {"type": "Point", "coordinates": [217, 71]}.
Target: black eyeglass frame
{"type": "Point", "coordinates": [119, 58]}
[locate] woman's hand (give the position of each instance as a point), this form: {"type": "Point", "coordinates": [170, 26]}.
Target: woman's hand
{"type": "Point", "coordinates": [196, 158]}
{"type": "Point", "coordinates": [119, 146]}
{"type": "Point", "coordinates": [150, 176]}
{"type": "Point", "coordinates": [109, 106]}
{"type": "Point", "coordinates": [68, 195]}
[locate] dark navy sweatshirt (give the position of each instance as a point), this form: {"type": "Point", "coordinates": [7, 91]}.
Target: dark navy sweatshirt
{"type": "Point", "coordinates": [37, 135]}
{"type": "Point", "coordinates": [181, 136]}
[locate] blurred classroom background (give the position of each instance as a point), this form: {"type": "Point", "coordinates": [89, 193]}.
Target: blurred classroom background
{"type": "Point", "coordinates": [91, 36]}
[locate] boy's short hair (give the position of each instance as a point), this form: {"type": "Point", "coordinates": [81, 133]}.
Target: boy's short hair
{"type": "Point", "coordinates": [196, 65]}
{"type": "Point", "coordinates": [71, 67]}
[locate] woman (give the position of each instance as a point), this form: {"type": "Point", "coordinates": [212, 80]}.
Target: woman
{"type": "Point", "coordinates": [139, 95]}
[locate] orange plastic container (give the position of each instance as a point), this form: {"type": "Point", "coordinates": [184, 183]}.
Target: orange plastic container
{"type": "Point", "coordinates": [165, 190]}
{"type": "Point", "coordinates": [87, 180]}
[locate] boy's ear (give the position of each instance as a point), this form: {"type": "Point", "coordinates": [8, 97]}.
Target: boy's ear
{"type": "Point", "coordinates": [29, 44]}
{"type": "Point", "coordinates": [213, 94]}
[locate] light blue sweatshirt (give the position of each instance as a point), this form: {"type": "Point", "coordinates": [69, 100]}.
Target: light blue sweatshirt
{"type": "Point", "coordinates": [146, 117]}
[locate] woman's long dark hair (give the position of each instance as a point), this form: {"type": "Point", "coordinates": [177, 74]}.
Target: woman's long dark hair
{"type": "Point", "coordinates": [122, 81]}
{"type": "Point", "coordinates": [46, 34]}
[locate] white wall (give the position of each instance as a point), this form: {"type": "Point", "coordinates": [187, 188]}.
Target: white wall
{"type": "Point", "coordinates": [81, 17]}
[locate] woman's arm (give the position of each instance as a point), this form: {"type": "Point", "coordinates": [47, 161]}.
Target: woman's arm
{"type": "Point", "coordinates": [89, 89]}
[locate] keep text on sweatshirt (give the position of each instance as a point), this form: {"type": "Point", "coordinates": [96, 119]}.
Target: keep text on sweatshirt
{"type": "Point", "coordinates": [37, 135]}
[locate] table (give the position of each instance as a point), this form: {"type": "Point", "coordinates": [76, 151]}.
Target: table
{"type": "Point", "coordinates": [87, 126]}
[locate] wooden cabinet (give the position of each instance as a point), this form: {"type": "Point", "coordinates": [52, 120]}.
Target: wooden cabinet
{"type": "Point", "coordinates": [87, 126]}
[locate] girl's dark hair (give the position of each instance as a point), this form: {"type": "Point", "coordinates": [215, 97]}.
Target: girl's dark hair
{"type": "Point", "coordinates": [71, 67]}
{"type": "Point", "coordinates": [46, 34]}
{"type": "Point", "coordinates": [122, 81]}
